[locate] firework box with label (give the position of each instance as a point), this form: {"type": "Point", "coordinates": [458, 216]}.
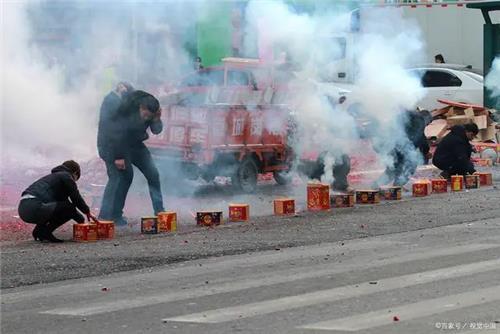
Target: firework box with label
{"type": "Point", "coordinates": [342, 200]}
{"type": "Point", "coordinates": [367, 196]}
{"type": "Point", "coordinates": [167, 221]}
{"type": "Point", "coordinates": [318, 196]}
{"type": "Point", "coordinates": [284, 206]}
{"type": "Point", "coordinates": [84, 232]}
{"type": "Point", "coordinates": [391, 193]}
{"type": "Point", "coordinates": [485, 179]}
{"type": "Point", "coordinates": [149, 225]}
{"type": "Point", "coordinates": [208, 218]}
{"type": "Point", "coordinates": [439, 186]}
{"type": "Point", "coordinates": [105, 229]}
{"type": "Point", "coordinates": [239, 212]}
{"type": "Point", "coordinates": [472, 181]}
{"type": "Point", "coordinates": [457, 182]}
{"type": "Point", "coordinates": [422, 188]}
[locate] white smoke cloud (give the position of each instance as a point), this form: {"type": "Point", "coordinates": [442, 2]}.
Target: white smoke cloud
{"type": "Point", "coordinates": [493, 78]}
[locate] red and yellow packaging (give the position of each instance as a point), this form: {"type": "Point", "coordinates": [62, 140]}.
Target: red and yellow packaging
{"type": "Point", "coordinates": [367, 196]}
{"type": "Point", "coordinates": [485, 179]}
{"type": "Point", "coordinates": [391, 193]}
{"type": "Point", "coordinates": [422, 188]}
{"type": "Point", "coordinates": [85, 232]}
{"type": "Point", "coordinates": [472, 181]}
{"type": "Point", "coordinates": [439, 186]}
{"type": "Point", "coordinates": [342, 200]}
{"type": "Point", "coordinates": [167, 221]}
{"type": "Point", "coordinates": [457, 183]}
{"type": "Point", "coordinates": [209, 218]}
{"type": "Point", "coordinates": [105, 230]}
{"type": "Point", "coordinates": [318, 196]}
{"type": "Point", "coordinates": [284, 206]}
{"type": "Point", "coordinates": [239, 212]}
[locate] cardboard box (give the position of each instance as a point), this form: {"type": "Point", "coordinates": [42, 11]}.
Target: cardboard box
{"type": "Point", "coordinates": [458, 120]}
{"type": "Point", "coordinates": [239, 212]}
{"type": "Point", "coordinates": [391, 193]}
{"type": "Point", "coordinates": [472, 181]}
{"type": "Point", "coordinates": [209, 218]}
{"type": "Point", "coordinates": [105, 230]}
{"type": "Point", "coordinates": [485, 179]}
{"type": "Point", "coordinates": [284, 206]}
{"type": "Point", "coordinates": [342, 200]}
{"type": "Point", "coordinates": [367, 196]}
{"type": "Point", "coordinates": [85, 232]}
{"type": "Point", "coordinates": [422, 188]}
{"type": "Point", "coordinates": [439, 186]}
{"type": "Point", "coordinates": [437, 128]}
{"type": "Point", "coordinates": [481, 121]}
{"type": "Point", "coordinates": [167, 221]}
{"type": "Point", "coordinates": [457, 183]}
{"type": "Point", "coordinates": [149, 225]}
{"type": "Point", "coordinates": [489, 133]}
{"type": "Point", "coordinates": [318, 196]}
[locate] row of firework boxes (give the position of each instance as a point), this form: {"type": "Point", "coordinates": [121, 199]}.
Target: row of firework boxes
{"type": "Point", "coordinates": [318, 198]}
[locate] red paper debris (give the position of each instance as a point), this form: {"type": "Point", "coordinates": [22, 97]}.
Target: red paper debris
{"type": "Point", "coordinates": [395, 318]}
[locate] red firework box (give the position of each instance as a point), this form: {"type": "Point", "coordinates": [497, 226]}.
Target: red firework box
{"type": "Point", "coordinates": [239, 212]}
{"type": "Point", "coordinates": [284, 206]}
{"type": "Point", "coordinates": [318, 196]}
{"type": "Point", "coordinates": [483, 162]}
{"type": "Point", "coordinates": [105, 230]}
{"type": "Point", "coordinates": [367, 196]}
{"type": "Point", "coordinates": [342, 200]}
{"type": "Point", "coordinates": [457, 183]}
{"type": "Point", "coordinates": [391, 193]}
{"type": "Point", "coordinates": [422, 188]}
{"type": "Point", "coordinates": [439, 186]}
{"type": "Point", "coordinates": [85, 232]}
{"type": "Point", "coordinates": [209, 218]}
{"type": "Point", "coordinates": [472, 181]}
{"type": "Point", "coordinates": [485, 179]}
{"type": "Point", "coordinates": [167, 221]}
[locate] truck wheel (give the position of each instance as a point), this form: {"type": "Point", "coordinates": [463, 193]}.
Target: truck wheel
{"type": "Point", "coordinates": [282, 177]}
{"type": "Point", "coordinates": [246, 176]}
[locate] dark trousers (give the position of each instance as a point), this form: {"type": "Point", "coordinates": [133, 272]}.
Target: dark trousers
{"type": "Point", "coordinates": [119, 182]}
{"type": "Point", "coordinates": [48, 215]}
{"type": "Point", "coordinates": [340, 170]}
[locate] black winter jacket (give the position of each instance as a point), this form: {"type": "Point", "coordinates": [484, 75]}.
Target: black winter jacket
{"type": "Point", "coordinates": [126, 129]}
{"type": "Point", "coordinates": [57, 187]}
{"type": "Point", "coordinates": [107, 129]}
{"type": "Point", "coordinates": [415, 130]}
{"type": "Point", "coordinates": [454, 151]}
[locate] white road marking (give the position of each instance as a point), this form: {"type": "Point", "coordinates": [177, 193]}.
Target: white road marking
{"type": "Point", "coordinates": [261, 280]}
{"type": "Point", "coordinates": [410, 311]}
{"type": "Point", "coordinates": [335, 294]}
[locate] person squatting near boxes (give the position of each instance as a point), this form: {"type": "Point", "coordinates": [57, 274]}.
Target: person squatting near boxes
{"type": "Point", "coordinates": [410, 150]}
{"type": "Point", "coordinates": [454, 151]}
{"type": "Point", "coordinates": [47, 204]}
{"type": "Point", "coordinates": [122, 131]}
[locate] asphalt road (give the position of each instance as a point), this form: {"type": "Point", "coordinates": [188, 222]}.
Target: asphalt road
{"type": "Point", "coordinates": [410, 282]}
{"type": "Point", "coordinates": [409, 266]}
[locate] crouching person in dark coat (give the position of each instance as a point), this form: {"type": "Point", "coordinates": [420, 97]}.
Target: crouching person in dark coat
{"type": "Point", "coordinates": [453, 153]}
{"type": "Point", "coordinates": [52, 201]}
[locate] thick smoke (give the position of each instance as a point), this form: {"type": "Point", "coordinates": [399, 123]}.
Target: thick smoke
{"type": "Point", "coordinates": [493, 78]}
{"type": "Point", "coordinates": [382, 87]}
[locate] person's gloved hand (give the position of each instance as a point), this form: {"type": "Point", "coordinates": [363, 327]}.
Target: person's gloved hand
{"type": "Point", "coordinates": [79, 218]}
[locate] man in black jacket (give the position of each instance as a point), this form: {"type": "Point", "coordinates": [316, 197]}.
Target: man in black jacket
{"type": "Point", "coordinates": [138, 112]}
{"type": "Point", "coordinates": [453, 153]}
{"type": "Point", "coordinates": [108, 130]}
{"type": "Point", "coordinates": [409, 149]}
{"type": "Point", "coordinates": [47, 204]}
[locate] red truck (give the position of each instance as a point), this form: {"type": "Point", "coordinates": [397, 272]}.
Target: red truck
{"type": "Point", "coordinates": [222, 121]}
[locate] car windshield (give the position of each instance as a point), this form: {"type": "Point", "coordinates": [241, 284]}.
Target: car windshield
{"type": "Point", "coordinates": [204, 78]}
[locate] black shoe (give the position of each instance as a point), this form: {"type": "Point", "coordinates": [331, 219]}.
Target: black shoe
{"type": "Point", "coordinates": [36, 233]}
{"type": "Point", "coordinates": [51, 238]}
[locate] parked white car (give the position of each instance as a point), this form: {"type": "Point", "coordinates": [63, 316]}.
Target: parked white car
{"type": "Point", "coordinates": [450, 82]}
